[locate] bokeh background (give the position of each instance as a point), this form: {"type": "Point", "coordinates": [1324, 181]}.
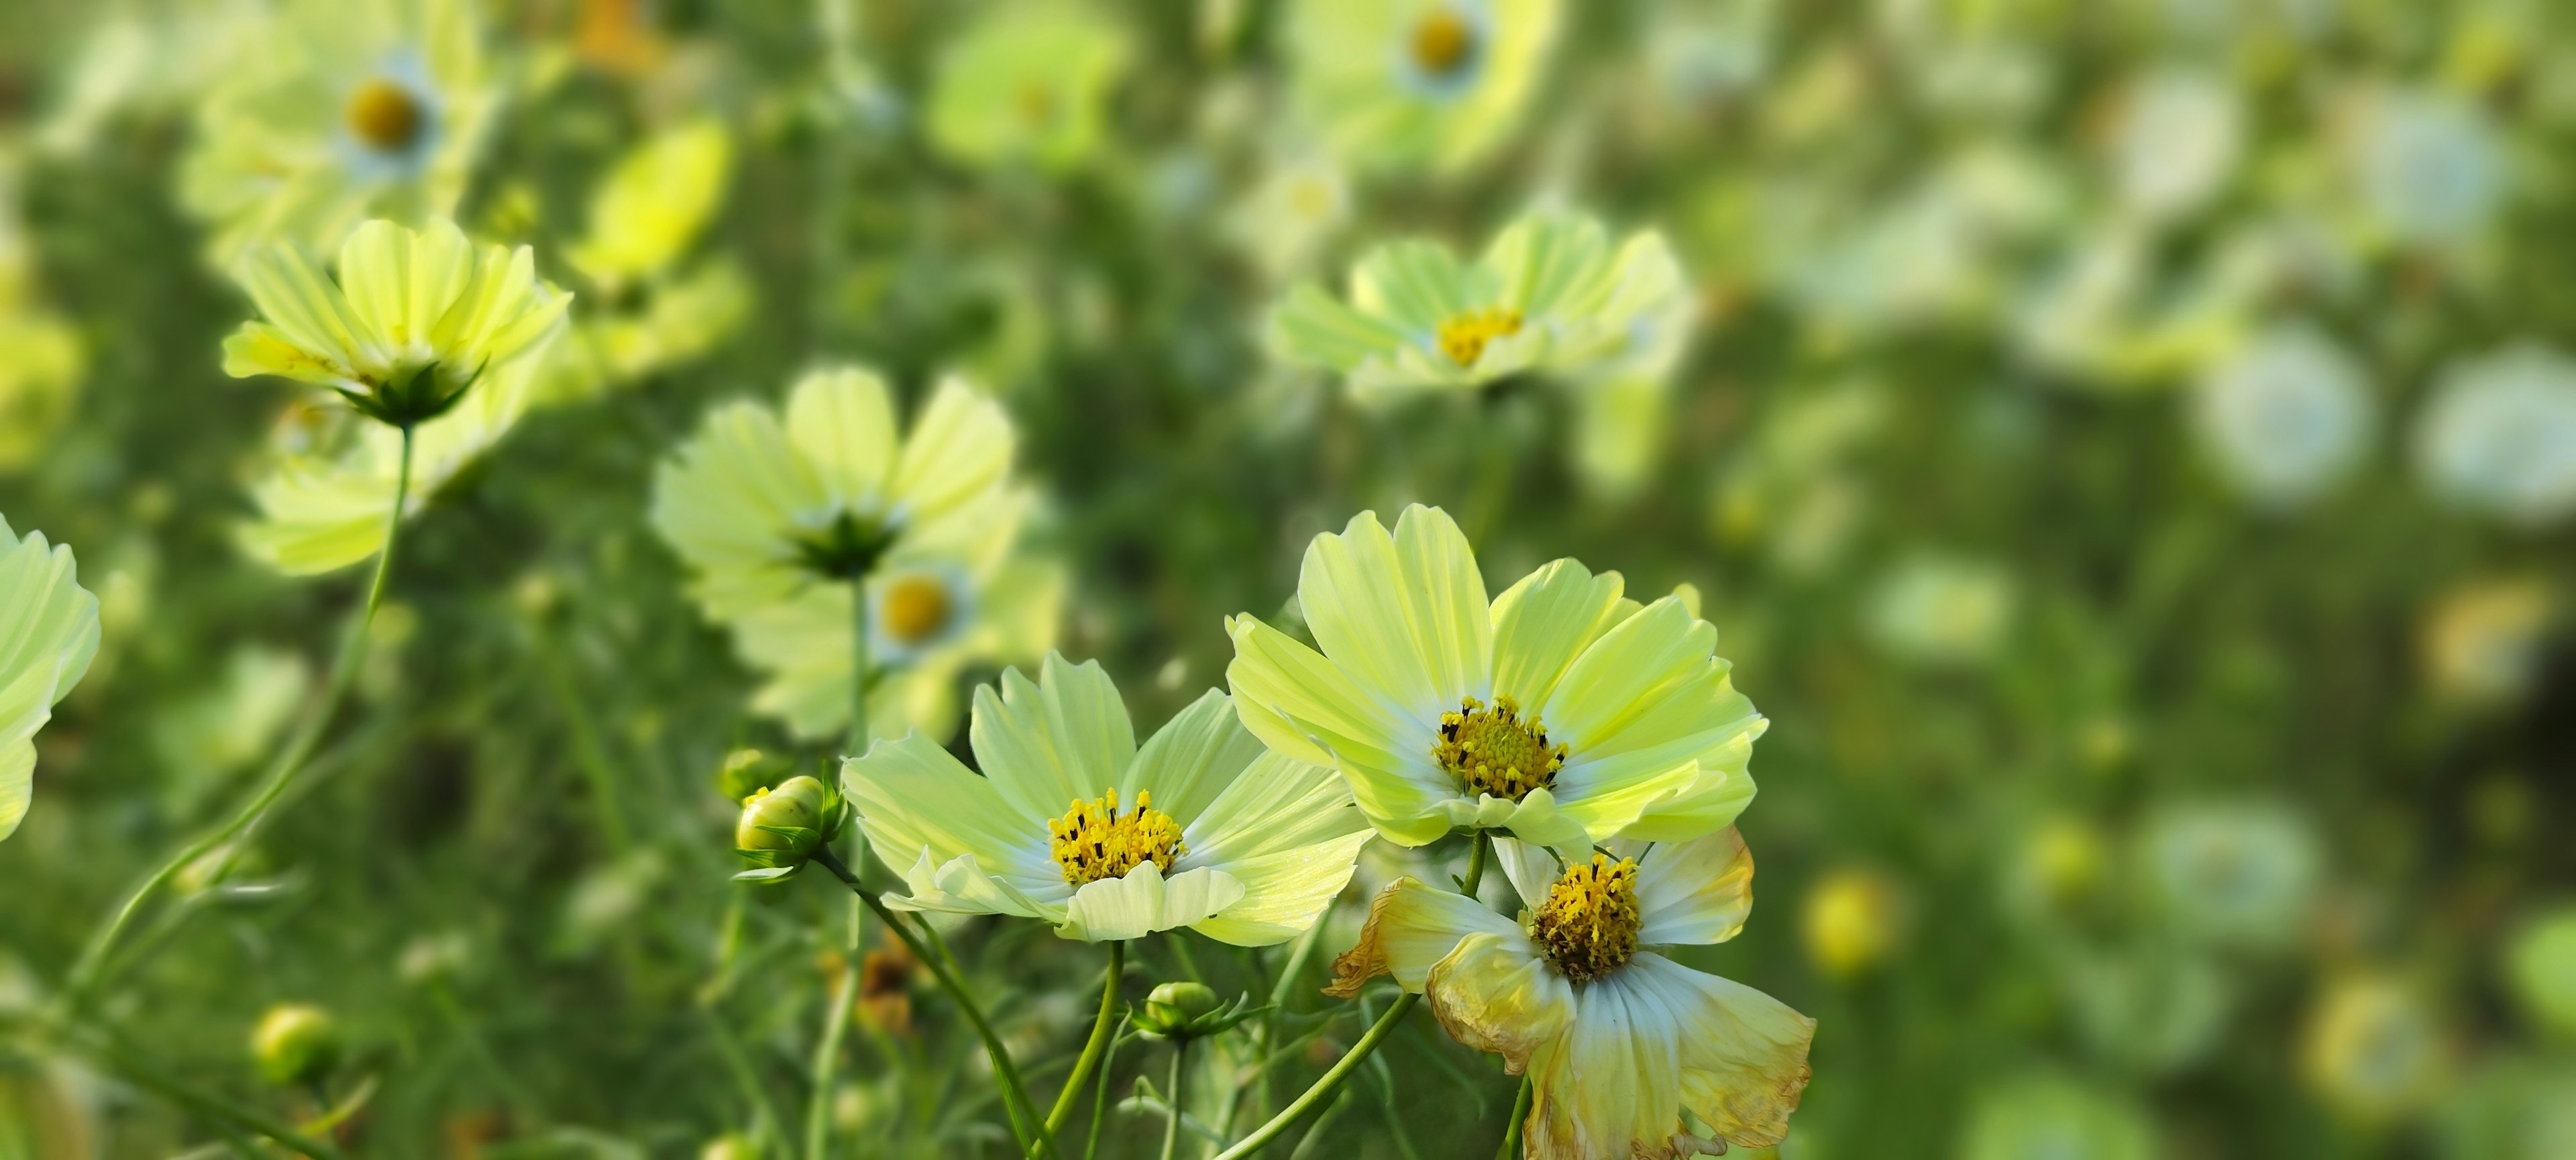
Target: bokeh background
{"type": "Point", "coordinates": [2127, 447]}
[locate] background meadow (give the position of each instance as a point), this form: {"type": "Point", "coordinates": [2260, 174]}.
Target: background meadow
{"type": "Point", "coordinates": [2127, 449]}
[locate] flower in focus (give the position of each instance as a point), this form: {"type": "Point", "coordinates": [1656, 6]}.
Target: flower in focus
{"type": "Point", "coordinates": [1073, 823]}
{"type": "Point", "coordinates": [1853, 921]}
{"type": "Point", "coordinates": [1027, 83]}
{"type": "Point", "coordinates": [2031, 1118]}
{"type": "Point", "coordinates": [2287, 416]}
{"type": "Point", "coordinates": [654, 203]}
{"type": "Point", "coordinates": [2500, 435]}
{"type": "Point", "coordinates": [414, 321]}
{"type": "Point", "coordinates": [349, 109]}
{"type": "Point", "coordinates": [2237, 875]}
{"type": "Point", "coordinates": [1562, 711]}
{"type": "Point", "coordinates": [782, 826]}
{"type": "Point", "coordinates": [48, 634]}
{"type": "Point", "coordinates": [1401, 84]}
{"type": "Point", "coordinates": [1549, 294]}
{"type": "Point", "coordinates": [2373, 1050]}
{"type": "Point", "coordinates": [762, 504]}
{"type": "Point", "coordinates": [1618, 1040]}
{"type": "Point", "coordinates": [2482, 640]}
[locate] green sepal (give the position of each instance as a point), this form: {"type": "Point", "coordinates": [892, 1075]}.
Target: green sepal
{"type": "Point", "coordinates": [769, 874]}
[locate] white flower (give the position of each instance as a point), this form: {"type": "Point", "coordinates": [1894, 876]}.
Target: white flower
{"type": "Point", "coordinates": [2178, 141]}
{"type": "Point", "coordinates": [2431, 167]}
{"type": "Point", "coordinates": [2287, 417]}
{"type": "Point", "coordinates": [2500, 435]}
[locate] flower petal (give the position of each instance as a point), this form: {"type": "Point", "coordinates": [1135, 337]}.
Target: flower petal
{"type": "Point", "coordinates": [961, 885]}
{"type": "Point", "coordinates": [17, 783]}
{"type": "Point", "coordinates": [729, 500]}
{"type": "Point", "coordinates": [1143, 902]}
{"type": "Point", "coordinates": [1613, 1085]}
{"type": "Point", "coordinates": [1695, 892]}
{"type": "Point", "coordinates": [1195, 757]}
{"type": "Point", "coordinates": [1306, 708]}
{"type": "Point", "coordinates": [1551, 263]}
{"type": "Point", "coordinates": [1290, 833]}
{"type": "Point", "coordinates": [960, 447]}
{"type": "Point", "coordinates": [1744, 1053]}
{"type": "Point", "coordinates": [1410, 928]}
{"type": "Point", "coordinates": [1415, 284]}
{"type": "Point", "coordinates": [1051, 742]}
{"type": "Point", "coordinates": [1639, 707]}
{"type": "Point", "coordinates": [1532, 869]}
{"type": "Point", "coordinates": [1545, 621]}
{"type": "Point", "coordinates": [1403, 615]}
{"type": "Point", "coordinates": [1310, 326]}
{"type": "Point", "coordinates": [915, 801]}
{"type": "Point", "coordinates": [1497, 993]}
{"type": "Point", "coordinates": [842, 421]}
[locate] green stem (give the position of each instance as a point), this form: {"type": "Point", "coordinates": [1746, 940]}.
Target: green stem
{"type": "Point", "coordinates": [1512, 1131]}
{"type": "Point", "coordinates": [1015, 1096]}
{"type": "Point", "coordinates": [214, 1107]}
{"type": "Point", "coordinates": [87, 973]}
{"type": "Point", "coordinates": [1326, 1084]}
{"type": "Point", "coordinates": [859, 666]}
{"type": "Point", "coordinates": [1100, 1092]}
{"type": "Point", "coordinates": [1098, 1042]}
{"type": "Point", "coordinates": [827, 1061]}
{"type": "Point", "coordinates": [1172, 1098]}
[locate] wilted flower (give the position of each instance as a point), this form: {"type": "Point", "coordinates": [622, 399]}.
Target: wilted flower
{"type": "Point", "coordinates": [1618, 1040]}
{"type": "Point", "coordinates": [2286, 417]}
{"type": "Point", "coordinates": [1026, 83]}
{"type": "Point", "coordinates": [2373, 1050]}
{"type": "Point", "coordinates": [1393, 84]}
{"type": "Point", "coordinates": [349, 109]}
{"type": "Point", "coordinates": [1073, 824]}
{"type": "Point", "coordinates": [2500, 435]}
{"type": "Point", "coordinates": [1561, 711]}
{"type": "Point", "coordinates": [48, 634]}
{"type": "Point", "coordinates": [1550, 294]}
{"type": "Point", "coordinates": [295, 1043]}
{"type": "Point", "coordinates": [2031, 1118]}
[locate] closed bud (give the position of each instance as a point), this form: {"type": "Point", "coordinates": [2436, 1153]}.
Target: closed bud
{"type": "Point", "coordinates": [295, 1043]}
{"type": "Point", "coordinates": [1189, 1010]}
{"type": "Point", "coordinates": [782, 827]}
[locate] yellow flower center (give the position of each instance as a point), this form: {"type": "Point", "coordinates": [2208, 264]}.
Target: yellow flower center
{"type": "Point", "coordinates": [1093, 841]}
{"type": "Point", "coordinates": [1492, 751]}
{"type": "Point", "coordinates": [1588, 925]}
{"type": "Point", "coordinates": [1463, 336]}
{"type": "Point", "coordinates": [385, 115]}
{"type": "Point", "coordinates": [1443, 42]}
{"type": "Point", "coordinates": [915, 608]}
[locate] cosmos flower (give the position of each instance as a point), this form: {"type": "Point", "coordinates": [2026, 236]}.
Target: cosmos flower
{"type": "Point", "coordinates": [2233, 874]}
{"type": "Point", "coordinates": [654, 203]}
{"type": "Point", "coordinates": [1549, 294]}
{"type": "Point", "coordinates": [764, 503]}
{"type": "Point", "coordinates": [1562, 711]}
{"type": "Point", "coordinates": [2430, 166]}
{"type": "Point", "coordinates": [48, 633]}
{"type": "Point", "coordinates": [414, 321]}
{"type": "Point", "coordinates": [2177, 143]}
{"type": "Point", "coordinates": [1074, 824]}
{"type": "Point", "coordinates": [1406, 84]}
{"type": "Point", "coordinates": [2499, 435]}
{"type": "Point", "coordinates": [1619, 1041]}
{"type": "Point", "coordinates": [2287, 416]}
{"type": "Point", "coordinates": [2374, 1049]}
{"type": "Point", "coordinates": [349, 109]}
{"type": "Point", "coordinates": [1027, 83]}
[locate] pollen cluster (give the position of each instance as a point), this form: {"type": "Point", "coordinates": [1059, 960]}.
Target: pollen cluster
{"type": "Point", "coordinates": [385, 116]}
{"type": "Point", "coordinates": [1443, 42]}
{"type": "Point", "coordinates": [1588, 925]}
{"type": "Point", "coordinates": [914, 608]}
{"type": "Point", "coordinates": [1463, 336]}
{"type": "Point", "coordinates": [1092, 841]}
{"type": "Point", "coordinates": [1492, 751]}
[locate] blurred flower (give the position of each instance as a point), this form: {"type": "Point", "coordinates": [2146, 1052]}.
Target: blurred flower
{"type": "Point", "coordinates": [415, 320]}
{"type": "Point", "coordinates": [2541, 964]}
{"type": "Point", "coordinates": [783, 826]}
{"type": "Point", "coordinates": [2148, 1007]}
{"type": "Point", "coordinates": [2482, 639]}
{"type": "Point", "coordinates": [1618, 1041]}
{"type": "Point", "coordinates": [605, 900]}
{"type": "Point", "coordinates": [1300, 203]}
{"type": "Point", "coordinates": [1852, 921]}
{"type": "Point", "coordinates": [653, 204]}
{"type": "Point", "coordinates": [2499, 434]}
{"type": "Point", "coordinates": [2177, 142]}
{"type": "Point", "coordinates": [2237, 875]}
{"type": "Point", "coordinates": [1418, 693]}
{"type": "Point", "coordinates": [2110, 315]}
{"type": "Point", "coordinates": [681, 320]}
{"type": "Point", "coordinates": [433, 957]}
{"type": "Point", "coordinates": [1244, 846]}
{"type": "Point", "coordinates": [219, 731]}
{"type": "Point", "coordinates": [2056, 1119]}
{"type": "Point", "coordinates": [132, 63]}
{"type": "Point", "coordinates": [2373, 1050]}
{"type": "Point", "coordinates": [1402, 84]}
{"type": "Point", "coordinates": [2429, 165]}
{"type": "Point", "coordinates": [2058, 862]}
{"type": "Point", "coordinates": [1698, 53]}
{"type": "Point", "coordinates": [762, 505]}
{"type": "Point", "coordinates": [2287, 416]}
{"type": "Point", "coordinates": [48, 633]}
{"type": "Point", "coordinates": [1027, 83]}
{"type": "Point", "coordinates": [1943, 610]}
{"type": "Point", "coordinates": [885, 988]}
{"type": "Point", "coordinates": [348, 109]}
{"type": "Point", "coordinates": [1550, 294]}
{"type": "Point", "coordinates": [295, 1043]}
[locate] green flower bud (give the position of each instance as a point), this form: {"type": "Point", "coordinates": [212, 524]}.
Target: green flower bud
{"type": "Point", "coordinates": [781, 828]}
{"type": "Point", "coordinates": [295, 1043]}
{"type": "Point", "coordinates": [1190, 1010]}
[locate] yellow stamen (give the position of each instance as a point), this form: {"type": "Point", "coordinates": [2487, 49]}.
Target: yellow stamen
{"type": "Point", "coordinates": [1588, 925]}
{"type": "Point", "coordinates": [1463, 336]}
{"type": "Point", "coordinates": [385, 115]}
{"type": "Point", "coordinates": [914, 608]}
{"type": "Point", "coordinates": [1491, 751]}
{"type": "Point", "coordinates": [1093, 842]}
{"type": "Point", "coordinates": [1443, 42]}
